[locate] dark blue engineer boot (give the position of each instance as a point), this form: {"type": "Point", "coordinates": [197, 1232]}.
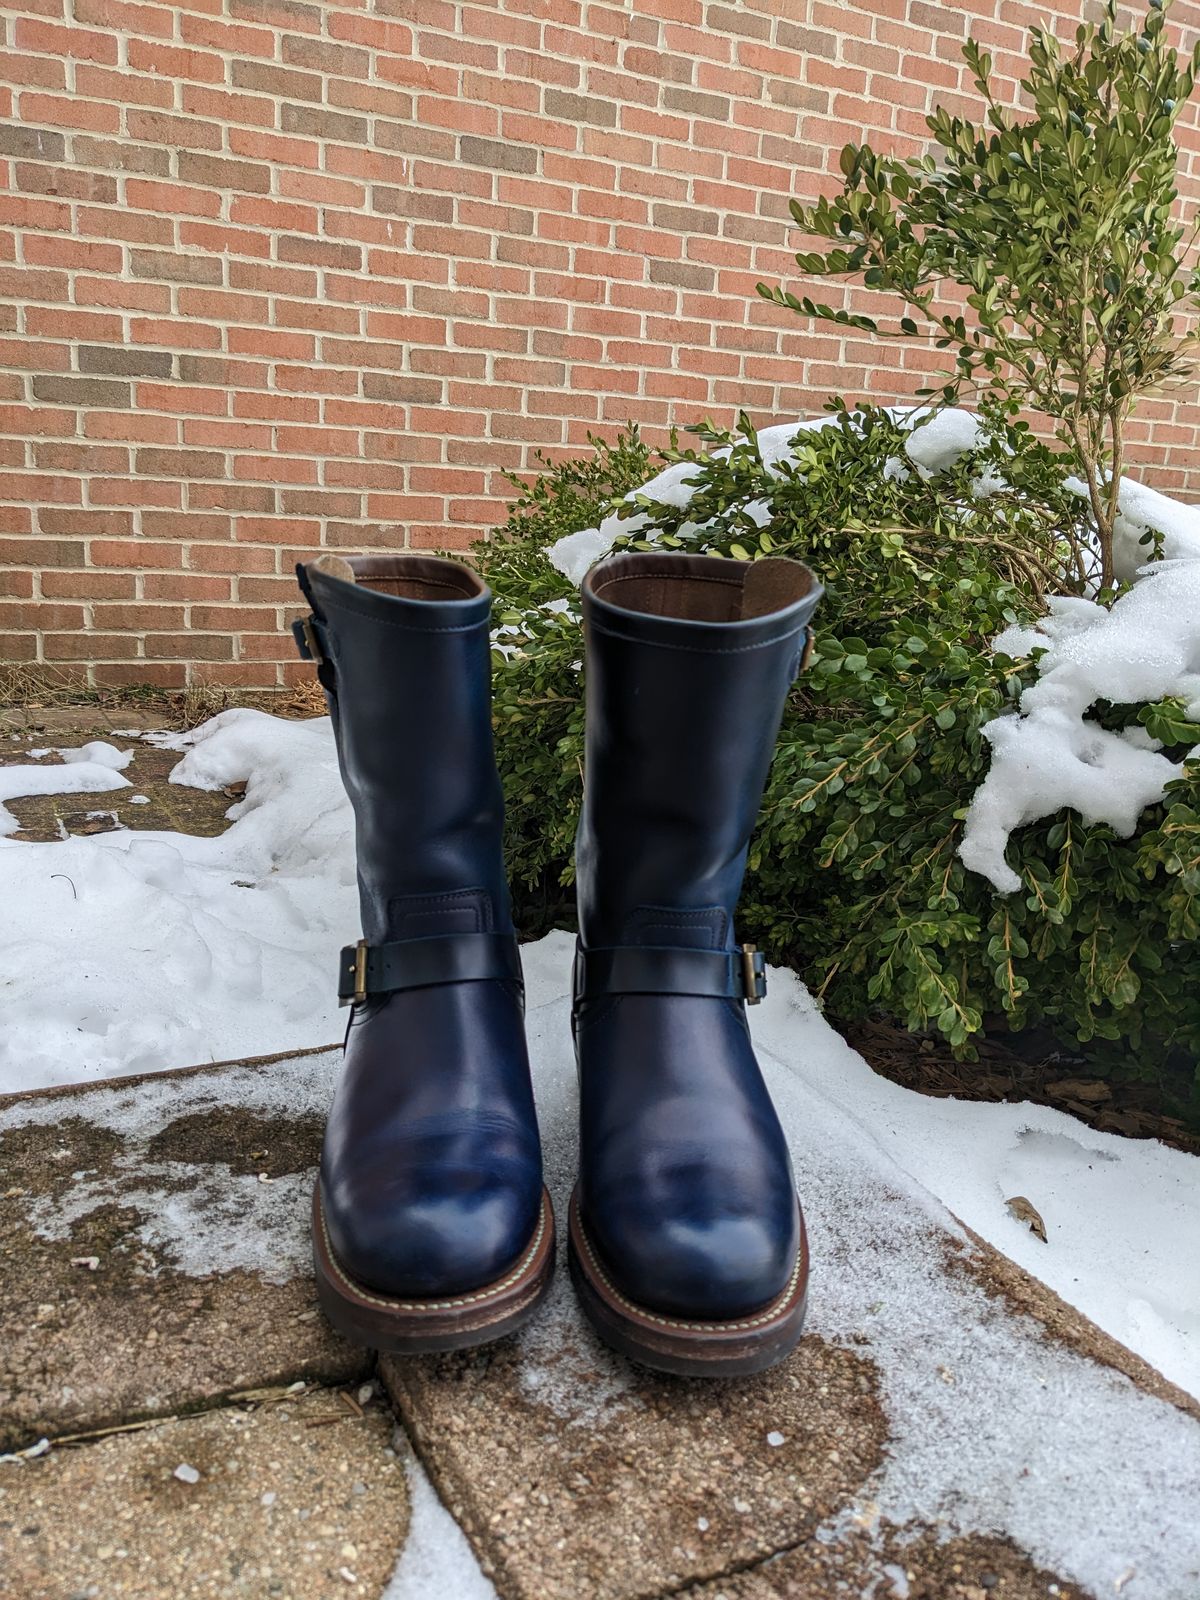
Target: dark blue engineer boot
{"type": "Point", "coordinates": [687, 1243]}
{"type": "Point", "coordinates": [431, 1226]}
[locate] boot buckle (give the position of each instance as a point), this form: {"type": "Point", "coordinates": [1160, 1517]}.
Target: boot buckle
{"type": "Point", "coordinates": [360, 972]}
{"type": "Point", "coordinates": [754, 975]}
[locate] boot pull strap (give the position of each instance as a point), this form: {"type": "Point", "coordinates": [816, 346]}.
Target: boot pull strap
{"type": "Point", "coordinates": [312, 636]}
{"type": "Point", "coordinates": [658, 969]}
{"type": "Point", "coordinates": [366, 970]}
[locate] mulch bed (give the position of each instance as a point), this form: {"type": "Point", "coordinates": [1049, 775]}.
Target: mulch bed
{"type": "Point", "coordinates": [1030, 1067]}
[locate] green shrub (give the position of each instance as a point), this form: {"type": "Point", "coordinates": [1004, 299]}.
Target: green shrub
{"type": "Point", "coordinates": [537, 694]}
{"type": "Point", "coordinates": [853, 874]}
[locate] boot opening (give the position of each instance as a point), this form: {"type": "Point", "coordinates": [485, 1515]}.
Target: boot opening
{"type": "Point", "coordinates": [700, 588]}
{"type": "Point", "coordinates": [408, 577]}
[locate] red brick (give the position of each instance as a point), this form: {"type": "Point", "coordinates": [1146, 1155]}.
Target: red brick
{"type": "Point", "coordinates": [88, 585]}
{"type": "Point", "coordinates": [121, 15]}
{"type": "Point", "coordinates": [82, 44]}
{"type": "Point", "coordinates": [158, 675]}
{"type": "Point", "coordinates": [168, 61]}
{"type": "Point", "coordinates": [68, 112]}
{"type": "Point", "coordinates": [34, 72]}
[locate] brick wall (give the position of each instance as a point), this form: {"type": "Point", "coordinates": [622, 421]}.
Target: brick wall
{"type": "Point", "coordinates": [277, 275]}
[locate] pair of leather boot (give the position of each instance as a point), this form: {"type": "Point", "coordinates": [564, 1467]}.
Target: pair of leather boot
{"type": "Point", "coordinates": [432, 1227]}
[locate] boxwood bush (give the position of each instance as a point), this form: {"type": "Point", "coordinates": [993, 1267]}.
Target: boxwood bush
{"type": "Point", "coordinates": [854, 875]}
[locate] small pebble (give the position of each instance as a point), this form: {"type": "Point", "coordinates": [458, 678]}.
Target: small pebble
{"type": "Point", "coordinates": [186, 1474]}
{"type": "Point", "coordinates": [702, 1524]}
{"type": "Point", "coordinates": [775, 1439]}
{"type": "Point", "coordinates": [268, 1499]}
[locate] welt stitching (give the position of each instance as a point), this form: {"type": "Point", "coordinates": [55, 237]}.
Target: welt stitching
{"type": "Point", "coordinates": [768, 1315]}
{"type": "Point", "coordinates": [436, 1305]}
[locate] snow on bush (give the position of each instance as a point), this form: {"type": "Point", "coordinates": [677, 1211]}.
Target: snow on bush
{"type": "Point", "coordinates": [1051, 754]}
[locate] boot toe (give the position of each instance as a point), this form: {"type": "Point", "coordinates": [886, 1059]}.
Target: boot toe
{"type": "Point", "coordinates": [448, 1237]}
{"type": "Point", "coordinates": [711, 1268]}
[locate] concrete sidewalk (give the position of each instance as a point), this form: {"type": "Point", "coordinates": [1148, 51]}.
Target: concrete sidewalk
{"type": "Point", "coordinates": [154, 1258]}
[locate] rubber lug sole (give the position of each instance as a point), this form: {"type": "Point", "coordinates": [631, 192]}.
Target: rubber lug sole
{"type": "Point", "coordinates": [689, 1348]}
{"type": "Point", "coordinates": [457, 1322]}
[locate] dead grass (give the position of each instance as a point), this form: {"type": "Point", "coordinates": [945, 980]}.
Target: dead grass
{"type": "Point", "coordinates": [40, 685]}
{"type": "Point", "coordinates": [307, 699]}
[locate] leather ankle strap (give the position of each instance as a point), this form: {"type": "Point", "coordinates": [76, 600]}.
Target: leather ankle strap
{"type": "Point", "coordinates": [658, 969]}
{"type": "Point", "coordinates": [366, 970]}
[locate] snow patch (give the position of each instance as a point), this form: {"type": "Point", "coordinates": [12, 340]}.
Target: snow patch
{"type": "Point", "coordinates": [197, 1217]}
{"type": "Point", "coordinates": [99, 754]}
{"type": "Point", "coordinates": [936, 443]}
{"type": "Point", "coordinates": [575, 553]}
{"type": "Point", "coordinates": [168, 949]}
{"type": "Point", "coordinates": [80, 777]}
{"type": "Point", "coordinates": [1050, 755]}
{"type": "Point", "coordinates": [437, 1561]}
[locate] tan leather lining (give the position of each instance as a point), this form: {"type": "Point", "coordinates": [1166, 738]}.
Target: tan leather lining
{"type": "Point", "coordinates": [701, 588]}
{"type": "Point", "coordinates": [409, 577]}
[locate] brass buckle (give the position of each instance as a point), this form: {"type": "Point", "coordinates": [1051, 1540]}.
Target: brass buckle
{"type": "Point", "coordinates": [313, 647]}
{"type": "Point", "coordinates": [750, 974]}
{"type": "Point", "coordinates": [809, 638]}
{"type": "Point", "coordinates": [360, 972]}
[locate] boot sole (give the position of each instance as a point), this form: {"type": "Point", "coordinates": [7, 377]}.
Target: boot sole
{"type": "Point", "coordinates": [458, 1322]}
{"type": "Point", "coordinates": [687, 1347]}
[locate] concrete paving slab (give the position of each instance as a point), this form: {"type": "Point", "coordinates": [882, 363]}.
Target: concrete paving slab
{"type": "Point", "coordinates": [301, 1500]}
{"type": "Point", "coordinates": [894, 1564]}
{"type": "Point", "coordinates": [944, 1408]}
{"type": "Point", "coordinates": [154, 1244]}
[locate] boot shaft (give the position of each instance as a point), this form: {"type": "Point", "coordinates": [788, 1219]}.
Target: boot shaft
{"type": "Point", "coordinates": [689, 661]}
{"type": "Point", "coordinates": [405, 642]}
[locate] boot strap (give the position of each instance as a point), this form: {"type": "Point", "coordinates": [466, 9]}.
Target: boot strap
{"type": "Point", "coordinates": [367, 969]}
{"type": "Point", "coordinates": [656, 969]}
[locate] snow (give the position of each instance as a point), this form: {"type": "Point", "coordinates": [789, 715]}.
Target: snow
{"type": "Point", "coordinates": [193, 1214]}
{"type": "Point", "coordinates": [100, 754]}
{"type": "Point", "coordinates": [181, 949]}
{"type": "Point", "coordinates": [437, 1561]}
{"type": "Point", "coordinates": [938, 442]}
{"type": "Point", "coordinates": [79, 777]}
{"type": "Point", "coordinates": [1051, 754]}
{"type": "Point", "coordinates": [575, 553]}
